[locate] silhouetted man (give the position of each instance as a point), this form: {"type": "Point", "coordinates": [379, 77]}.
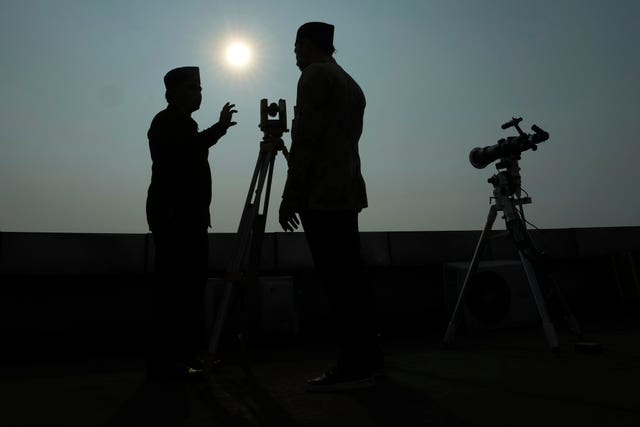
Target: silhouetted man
{"type": "Point", "coordinates": [178, 215]}
{"type": "Point", "coordinates": [325, 187]}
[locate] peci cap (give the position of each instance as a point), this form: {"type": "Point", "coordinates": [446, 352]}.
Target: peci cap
{"type": "Point", "coordinates": [320, 33]}
{"type": "Point", "coordinates": [178, 76]}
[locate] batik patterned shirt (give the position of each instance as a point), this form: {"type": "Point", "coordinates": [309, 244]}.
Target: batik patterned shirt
{"type": "Point", "coordinates": [324, 165]}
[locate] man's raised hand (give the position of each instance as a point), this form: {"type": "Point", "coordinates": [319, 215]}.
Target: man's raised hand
{"type": "Point", "coordinates": [226, 115]}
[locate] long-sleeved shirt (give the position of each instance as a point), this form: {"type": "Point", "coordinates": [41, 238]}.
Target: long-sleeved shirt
{"type": "Point", "coordinates": [180, 191]}
{"type": "Point", "coordinates": [324, 164]}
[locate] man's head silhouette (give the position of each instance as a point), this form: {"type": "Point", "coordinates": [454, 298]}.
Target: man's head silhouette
{"type": "Point", "coordinates": [314, 41]}
{"type": "Point", "coordinates": [183, 88]}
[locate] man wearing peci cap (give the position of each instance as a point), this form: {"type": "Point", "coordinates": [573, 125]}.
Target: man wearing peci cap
{"type": "Point", "coordinates": [326, 188]}
{"type": "Point", "coordinates": [178, 202]}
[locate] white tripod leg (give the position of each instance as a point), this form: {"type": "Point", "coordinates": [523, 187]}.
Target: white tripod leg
{"type": "Point", "coordinates": [547, 325]}
{"type": "Point", "coordinates": [451, 329]}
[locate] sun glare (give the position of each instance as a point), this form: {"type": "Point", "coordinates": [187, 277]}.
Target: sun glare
{"type": "Point", "coordinates": [238, 55]}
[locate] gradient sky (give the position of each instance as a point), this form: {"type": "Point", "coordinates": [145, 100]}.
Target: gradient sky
{"type": "Point", "coordinates": [81, 80]}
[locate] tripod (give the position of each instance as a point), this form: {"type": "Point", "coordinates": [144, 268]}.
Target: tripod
{"type": "Point", "coordinates": [507, 196]}
{"type": "Point", "coordinates": [252, 222]}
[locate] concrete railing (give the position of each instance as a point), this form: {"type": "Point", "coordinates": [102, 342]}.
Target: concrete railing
{"type": "Point", "coordinates": [77, 289]}
{"type": "Point", "coordinates": [78, 254]}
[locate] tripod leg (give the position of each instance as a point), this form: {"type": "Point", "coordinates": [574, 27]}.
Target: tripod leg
{"type": "Point", "coordinates": [448, 337]}
{"type": "Point", "coordinates": [572, 322]}
{"type": "Point", "coordinates": [223, 312]}
{"type": "Point", "coordinates": [245, 229]}
{"type": "Point", "coordinates": [270, 166]}
{"type": "Point", "coordinates": [251, 208]}
{"type": "Point", "coordinates": [246, 211]}
{"type": "Point", "coordinates": [558, 295]}
{"type": "Point", "coordinates": [547, 325]}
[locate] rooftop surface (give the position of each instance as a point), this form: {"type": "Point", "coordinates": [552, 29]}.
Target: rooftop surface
{"type": "Point", "coordinates": [497, 378]}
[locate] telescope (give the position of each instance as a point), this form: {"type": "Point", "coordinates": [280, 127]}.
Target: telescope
{"type": "Point", "coordinates": [508, 200]}
{"type": "Point", "coordinates": [511, 146]}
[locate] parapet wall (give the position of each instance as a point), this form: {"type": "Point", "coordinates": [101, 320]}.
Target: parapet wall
{"type": "Point", "coordinates": [93, 290]}
{"type": "Point", "coordinates": [283, 253]}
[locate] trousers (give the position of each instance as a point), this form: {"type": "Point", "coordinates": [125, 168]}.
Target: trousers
{"type": "Point", "coordinates": [334, 240]}
{"type": "Point", "coordinates": [177, 331]}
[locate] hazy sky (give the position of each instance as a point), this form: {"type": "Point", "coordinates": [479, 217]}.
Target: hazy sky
{"type": "Point", "coordinates": [80, 82]}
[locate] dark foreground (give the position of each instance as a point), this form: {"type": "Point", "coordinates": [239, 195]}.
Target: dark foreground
{"type": "Point", "coordinates": [505, 378]}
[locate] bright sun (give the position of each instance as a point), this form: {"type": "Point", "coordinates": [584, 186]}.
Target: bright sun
{"type": "Point", "coordinates": [238, 54]}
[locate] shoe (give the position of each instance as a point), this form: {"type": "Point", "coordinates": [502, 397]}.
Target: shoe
{"type": "Point", "coordinates": [338, 379]}
{"type": "Point", "coordinates": [175, 371]}
{"type": "Point", "coordinates": [190, 369]}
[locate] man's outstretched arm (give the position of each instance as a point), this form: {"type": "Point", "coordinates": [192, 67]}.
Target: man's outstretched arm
{"type": "Point", "coordinates": [212, 135]}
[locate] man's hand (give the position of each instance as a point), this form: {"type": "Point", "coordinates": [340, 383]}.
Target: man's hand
{"type": "Point", "coordinates": [288, 218]}
{"type": "Point", "coordinates": [226, 115]}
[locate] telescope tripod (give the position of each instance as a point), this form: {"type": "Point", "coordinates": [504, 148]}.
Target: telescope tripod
{"type": "Point", "coordinates": [250, 234]}
{"type": "Point", "coordinates": [507, 198]}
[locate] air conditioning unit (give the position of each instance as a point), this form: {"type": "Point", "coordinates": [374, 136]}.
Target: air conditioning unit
{"type": "Point", "coordinates": [498, 296]}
